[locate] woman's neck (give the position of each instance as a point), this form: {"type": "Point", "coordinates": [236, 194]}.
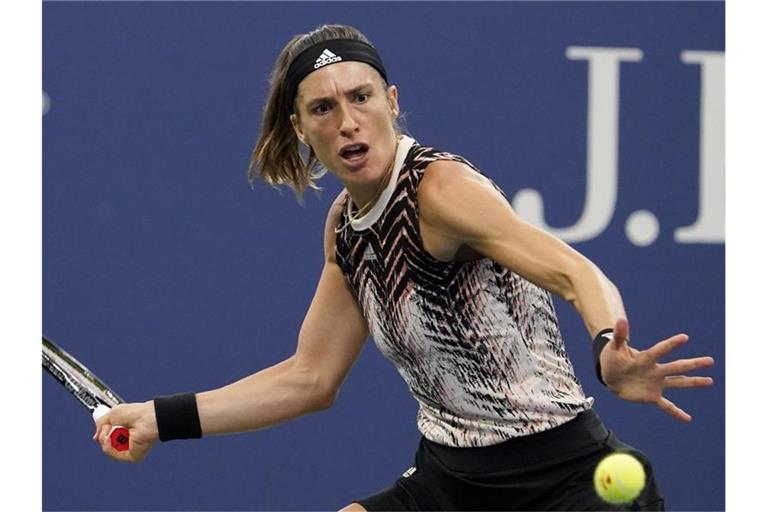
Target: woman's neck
{"type": "Point", "coordinates": [365, 197]}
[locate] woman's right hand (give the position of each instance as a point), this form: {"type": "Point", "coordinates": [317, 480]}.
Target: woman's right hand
{"type": "Point", "coordinates": [139, 419]}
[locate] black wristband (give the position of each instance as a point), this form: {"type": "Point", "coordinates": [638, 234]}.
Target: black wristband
{"type": "Point", "coordinates": [599, 343]}
{"type": "Point", "coordinates": [177, 417]}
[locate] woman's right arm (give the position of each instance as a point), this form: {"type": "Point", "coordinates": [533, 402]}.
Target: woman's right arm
{"type": "Point", "coordinates": [330, 340]}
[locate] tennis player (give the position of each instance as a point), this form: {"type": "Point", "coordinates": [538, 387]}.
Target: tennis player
{"type": "Point", "coordinates": [425, 254]}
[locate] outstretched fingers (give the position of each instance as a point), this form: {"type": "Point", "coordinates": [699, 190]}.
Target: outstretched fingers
{"type": "Point", "coordinates": [673, 410]}
{"type": "Point", "coordinates": [666, 346]}
{"type": "Point", "coordinates": [682, 381]}
{"type": "Point", "coordinates": [686, 365]}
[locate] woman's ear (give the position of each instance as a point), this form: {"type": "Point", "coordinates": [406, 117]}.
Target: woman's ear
{"type": "Point", "coordinates": [296, 123]}
{"type": "Point", "coordinates": [392, 99]}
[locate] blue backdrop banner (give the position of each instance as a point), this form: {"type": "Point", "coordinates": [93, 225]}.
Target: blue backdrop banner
{"type": "Point", "coordinates": [165, 272]}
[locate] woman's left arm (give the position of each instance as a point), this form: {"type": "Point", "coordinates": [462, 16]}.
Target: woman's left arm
{"type": "Point", "coordinates": [459, 207]}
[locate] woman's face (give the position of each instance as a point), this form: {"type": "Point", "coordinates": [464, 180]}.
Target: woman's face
{"type": "Point", "coordinates": [346, 115]}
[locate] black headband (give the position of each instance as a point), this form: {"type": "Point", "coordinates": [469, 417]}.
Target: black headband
{"type": "Point", "coordinates": [329, 52]}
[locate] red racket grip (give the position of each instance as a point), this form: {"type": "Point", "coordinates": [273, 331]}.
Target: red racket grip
{"type": "Point", "coordinates": [119, 436]}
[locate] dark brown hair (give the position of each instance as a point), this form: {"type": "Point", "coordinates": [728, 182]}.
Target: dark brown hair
{"type": "Point", "coordinates": [279, 158]}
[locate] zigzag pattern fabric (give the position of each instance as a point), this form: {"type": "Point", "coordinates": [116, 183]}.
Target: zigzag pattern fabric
{"type": "Point", "coordinates": [479, 346]}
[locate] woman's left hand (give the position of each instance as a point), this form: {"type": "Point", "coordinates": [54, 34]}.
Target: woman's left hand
{"type": "Point", "coordinates": [638, 376]}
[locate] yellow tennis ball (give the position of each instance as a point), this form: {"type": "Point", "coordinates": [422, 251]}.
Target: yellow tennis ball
{"type": "Point", "coordinates": [619, 478]}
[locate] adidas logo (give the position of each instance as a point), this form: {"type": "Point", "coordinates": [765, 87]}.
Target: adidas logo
{"type": "Point", "coordinates": [409, 472]}
{"type": "Point", "coordinates": [325, 58]}
{"type": "Point", "coordinates": [369, 255]}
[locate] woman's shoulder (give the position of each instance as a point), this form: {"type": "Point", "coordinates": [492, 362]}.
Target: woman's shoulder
{"type": "Point", "coordinates": [448, 177]}
{"type": "Point", "coordinates": [337, 208]}
{"type": "Point", "coordinates": [335, 213]}
{"type": "Point", "coordinates": [450, 187]}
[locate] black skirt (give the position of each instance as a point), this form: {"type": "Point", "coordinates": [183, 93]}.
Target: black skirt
{"type": "Point", "coordinates": [551, 470]}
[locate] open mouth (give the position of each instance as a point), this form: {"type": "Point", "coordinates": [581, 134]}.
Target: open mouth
{"type": "Point", "coordinates": [353, 152]}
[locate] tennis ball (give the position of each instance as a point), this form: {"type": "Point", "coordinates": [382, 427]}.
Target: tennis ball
{"type": "Point", "coordinates": [619, 478]}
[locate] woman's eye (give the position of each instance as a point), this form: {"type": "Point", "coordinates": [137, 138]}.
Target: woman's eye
{"type": "Point", "coordinates": [323, 108]}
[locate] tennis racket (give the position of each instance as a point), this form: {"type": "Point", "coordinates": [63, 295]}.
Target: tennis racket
{"type": "Point", "coordinates": [91, 391]}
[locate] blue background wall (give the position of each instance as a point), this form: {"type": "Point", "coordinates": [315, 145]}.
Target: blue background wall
{"type": "Point", "coordinates": [165, 272]}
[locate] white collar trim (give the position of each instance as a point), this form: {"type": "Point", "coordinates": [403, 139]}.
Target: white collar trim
{"type": "Point", "coordinates": [367, 220]}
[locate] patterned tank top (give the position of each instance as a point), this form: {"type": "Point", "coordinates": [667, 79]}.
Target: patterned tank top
{"type": "Point", "coordinates": [478, 346]}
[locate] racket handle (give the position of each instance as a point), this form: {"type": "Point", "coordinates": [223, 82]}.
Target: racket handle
{"type": "Point", "coordinates": [118, 436]}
